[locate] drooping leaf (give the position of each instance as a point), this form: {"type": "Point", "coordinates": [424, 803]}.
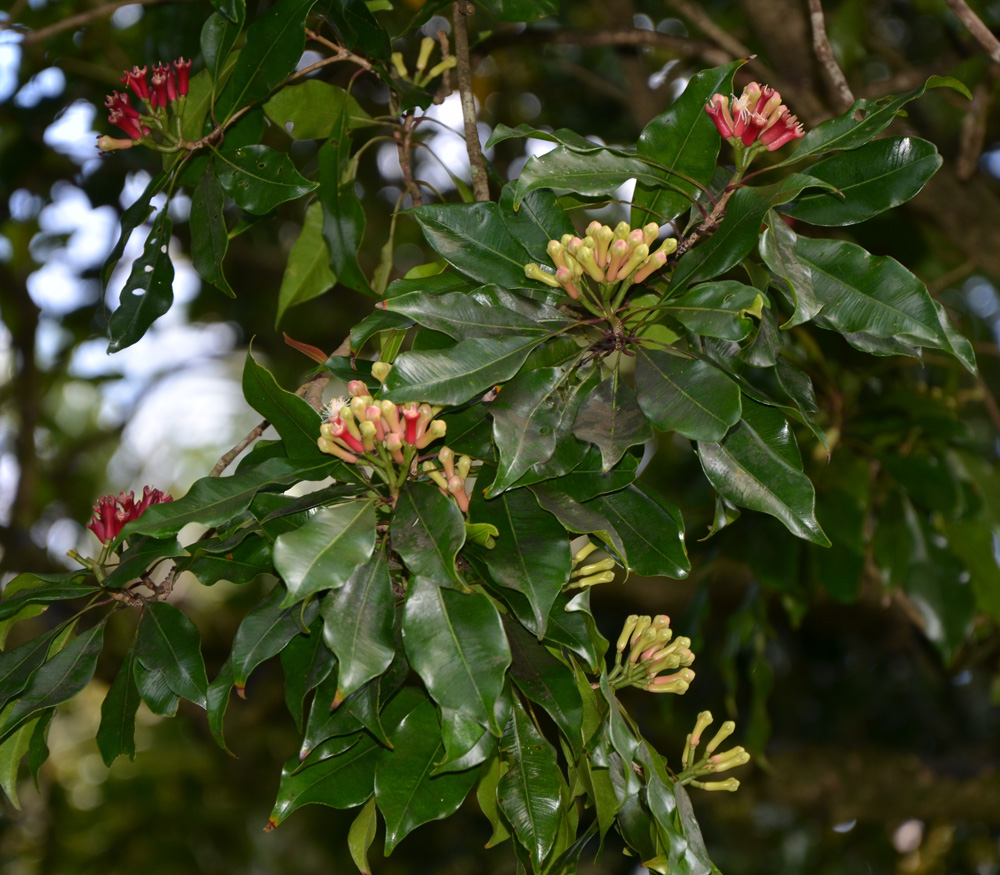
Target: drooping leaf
{"type": "Point", "coordinates": [599, 173]}
{"type": "Point", "coordinates": [361, 835]}
{"type": "Point", "coordinates": [134, 216]}
{"type": "Point", "coordinates": [209, 236]}
{"type": "Point", "coordinates": [358, 621]}
{"type": "Point", "coordinates": [306, 662]}
{"type": "Point", "coordinates": [148, 292]}
{"type": "Point", "coordinates": [325, 551]}
{"type": "Point", "coordinates": [610, 418]}
{"type": "Point", "coordinates": [310, 110]}
{"type": "Point", "coordinates": [427, 531]}
{"type": "Point", "coordinates": [456, 643]}
{"type": "Point", "coordinates": [167, 641]}
{"type": "Point", "coordinates": [757, 466]}
{"type": "Point", "coordinates": [295, 421]}
{"type": "Point", "coordinates": [537, 220]}
{"type": "Point", "coordinates": [777, 248]}
{"type": "Point", "coordinates": [718, 309]}
{"type": "Point", "coordinates": [116, 733]}
{"type": "Point", "coordinates": [258, 178]}
{"type": "Point", "coordinates": [307, 273]}
{"type": "Point", "coordinates": [686, 395]}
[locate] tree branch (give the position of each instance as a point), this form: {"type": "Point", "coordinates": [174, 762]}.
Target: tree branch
{"type": "Point", "coordinates": [984, 36]}
{"type": "Point", "coordinates": [824, 54]}
{"type": "Point", "coordinates": [480, 185]}
{"type": "Point", "coordinates": [82, 18]}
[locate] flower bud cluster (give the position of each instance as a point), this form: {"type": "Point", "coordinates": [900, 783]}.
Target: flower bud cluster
{"type": "Point", "coordinates": [604, 255]}
{"type": "Point", "coordinates": [652, 649]}
{"type": "Point", "coordinates": [711, 763]}
{"type": "Point", "coordinates": [420, 78]}
{"type": "Point", "coordinates": [162, 97]}
{"type": "Point", "coordinates": [112, 513]}
{"type": "Point", "coordinates": [452, 478]}
{"type": "Point", "coordinates": [586, 574]}
{"type": "Point", "coordinates": [756, 116]}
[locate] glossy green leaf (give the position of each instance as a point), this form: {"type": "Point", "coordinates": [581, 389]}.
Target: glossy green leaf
{"type": "Point", "coordinates": [651, 530]}
{"type": "Point", "coordinates": [167, 641]}
{"type": "Point", "coordinates": [361, 835]}
{"type": "Point", "coordinates": [486, 796]}
{"type": "Point", "coordinates": [456, 643]}
{"type": "Point", "coordinates": [20, 663]}
{"type": "Point", "coordinates": [258, 178]}
{"type": "Point", "coordinates": [148, 292]}
{"type": "Point", "coordinates": [683, 140]}
{"type": "Point", "coordinates": [863, 121]}
{"type": "Point", "coordinates": [777, 248]}
{"type": "Point", "coordinates": [945, 602]}
{"type": "Point", "coordinates": [134, 216]}
{"type": "Point", "coordinates": [870, 180]}
{"type": "Point", "coordinates": [142, 552]}
{"type": "Point", "coordinates": [531, 555]}
{"type": "Point", "coordinates": [218, 36]}
{"type": "Point", "coordinates": [116, 733]}
{"type": "Point", "coordinates": [589, 478]}
{"type": "Point", "coordinates": [214, 500]}
{"type": "Point", "coordinates": [234, 10]}
{"type": "Point", "coordinates": [240, 565]}
{"type": "Point", "coordinates": [757, 466]}
{"type": "Point", "coordinates": [610, 418]}
{"type": "Point", "coordinates": [306, 662]}
{"type": "Point", "coordinates": [466, 742]}
{"type": "Point", "coordinates": [273, 46]}
{"type": "Point", "coordinates": [307, 273]}
{"type": "Point", "coordinates": [453, 376]}
{"type": "Point", "coordinates": [406, 792]}
{"type": "Point", "coordinates": [427, 531]}
{"type": "Point", "coordinates": [12, 751]}
{"type": "Point", "coordinates": [58, 679]}
{"type": "Point", "coordinates": [209, 236]}
{"type": "Point", "coordinates": [579, 519]}
{"type": "Point", "coordinates": [537, 220]}
{"type": "Point", "coordinates": [520, 10]}
{"type": "Point", "coordinates": [41, 589]}
{"type": "Point", "coordinates": [311, 110]}
{"type": "Point", "coordinates": [565, 170]}
{"type": "Point", "coordinates": [876, 295]}
{"type": "Point", "coordinates": [358, 621]}
{"type": "Point", "coordinates": [343, 215]}
{"type": "Point", "coordinates": [529, 792]}
{"type": "Point", "coordinates": [292, 417]}
{"type": "Point", "coordinates": [686, 395]}
{"type": "Point", "coordinates": [716, 309]}
{"type": "Point", "coordinates": [562, 136]}
{"type": "Point", "coordinates": [155, 692]}
{"type": "Point", "coordinates": [325, 551]}
{"type": "Point", "coordinates": [357, 27]}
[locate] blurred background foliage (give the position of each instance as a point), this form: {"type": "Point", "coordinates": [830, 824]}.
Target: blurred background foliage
{"type": "Point", "coordinates": [866, 677]}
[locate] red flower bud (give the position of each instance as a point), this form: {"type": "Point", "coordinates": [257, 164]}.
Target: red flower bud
{"type": "Point", "coordinates": [183, 69]}
{"type": "Point", "coordinates": [136, 80]}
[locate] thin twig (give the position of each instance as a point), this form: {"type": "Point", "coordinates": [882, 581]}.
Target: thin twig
{"type": "Point", "coordinates": [82, 18]}
{"type": "Point", "coordinates": [342, 54]}
{"type": "Point", "coordinates": [477, 168]}
{"type": "Point", "coordinates": [824, 54]}
{"type": "Point", "coordinates": [973, 130]}
{"type": "Point", "coordinates": [227, 459]}
{"type": "Point", "coordinates": [984, 36]}
{"type": "Point", "coordinates": [445, 88]}
{"type": "Point", "coordinates": [404, 147]}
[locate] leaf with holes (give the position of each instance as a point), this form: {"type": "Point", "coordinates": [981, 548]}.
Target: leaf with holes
{"type": "Point", "coordinates": [258, 178]}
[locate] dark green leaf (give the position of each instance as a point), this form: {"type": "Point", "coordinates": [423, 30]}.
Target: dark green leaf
{"type": "Point", "coordinates": [427, 531]}
{"type": "Point", "coordinates": [295, 421]}
{"type": "Point", "coordinates": [209, 237]}
{"type": "Point", "coordinates": [453, 376]}
{"type": "Point", "coordinates": [141, 554]}
{"type": "Point", "coordinates": [306, 662]}
{"type": "Point", "coordinates": [536, 221]}
{"type": "Point", "coordinates": [218, 36]}
{"type": "Point", "coordinates": [343, 215]}
{"type": "Point", "coordinates": [777, 248]}
{"type": "Point", "coordinates": [307, 273]}
{"type": "Point", "coordinates": [870, 180]}
{"type": "Point", "coordinates": [148, 292]}
{"type": "Point", "coordinates": [357, 27]}
{"type": "Point", "coordinates": [716, 309]}
{"type": "Point", "coordinates": [682, 140]}
{"type": "Point", "coordinates": [18, 665]}
{"type": "Point", "coordinates": [579, 519]}
{"type": "Point", "coordinates": [357, 626]}
{"type": "Point", "coordinates": [132, 218]}
{"type": "Point", "coordinates": [563, 136]}
{"type": "Point", "coordinates": [611, 419]}
{"type": "Point", "coordinates": [44, 592]}
{"type": "Point", "coordinates": [167, 641]}
{"type": "Point", "coordinates": [757, 466]}
{"type": "Point", "coordinates": [455, 642]}
{"type": "Point", "coordinates": [116, 734]}
{"type": "Point", "coordinates": [311, 110]}
{"type": "Point", "coordinates": [155, 692]}
{"type": "Point", "coordinates": [325, 551]}
{"type": "Point", "coordinates": [565, 170]}
{"type": "Point", "coordinates": [258, 178]}
{"type": "Point", "coordinates": [686, 395]}
{"type": "Point", "coordinates": [651, 530]}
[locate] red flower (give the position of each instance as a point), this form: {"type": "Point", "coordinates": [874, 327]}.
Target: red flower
{"type": "Point", "coordinates": [756, 116]}
{"type": "Point", "coordinates": [112, 514]}
{"type": "Point", "coordinates": [136, 80]}
{"type": "Point", "coordinates": [183, 69]}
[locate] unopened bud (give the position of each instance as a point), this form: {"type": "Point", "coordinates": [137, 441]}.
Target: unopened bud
{"type": "Point", "coordinates": [584, 552]}
{"type": "Point", "coordinates": [616, 258]}
{"type": "Point", "coordinates": [435, 430]}
{"type": "Point", "coordinates": [114, 144]}
{"type": "Point", "coordinates": [555, 251]}
{"type": "Point", "coordinates": [464, 466]}
{"type": "Point", "coordinates": [652, 264]}
{"type": "Point", "coordinates": [730, 784]}
{"type": "Point", "coordinates": [593, 579]}
{"type": "Point", "coordinates": [446, 456]}
{"type": "Point", "coordinates": [604, 236]}
{"type": "Point", "coordinates": [650, 233]}
{"type": "Point", "coordinates": [595, 567]}
{"type": "Point", "coordinates": [585, 255]}
{"type": "Point", "coordinates": [722, 762]}
{"type": "Point", "coordinates": [627, 629]}
{"type": "Point", "coordinates": [430, 469]}
{"type": "Point", "coordinates": [400, 67]}
{"type": "Point", "coordinates": [637, 257]}
{"type": "Point", "coordinates": [703, 722]}
{"type": "Point", "coordinates": [440, 67]}
{"type": "Point", "coordinates": [426, 47]}
{"type": "Point", "coordinates": [565, 277]}
{"type": "Point", "coordinates": [727, 729]}
{"type": "Point", "coordinates": [332, 448]}
{"type": "Point", "coordinates": [456, 486]}
{"type": "Point", "coordinates": [367, 430]}
{"type": "Point", "coordinates": [380, 370]}
{"type": "Point", "coordinates": [356, 388]}
{"type": "Point", "coordinates": [535, 272]}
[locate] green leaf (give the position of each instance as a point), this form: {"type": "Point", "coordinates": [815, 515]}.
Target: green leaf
{"type": "Point", "coordinates": [579, 519]}
{"type": "Point", "coordinates": [475, 239]}
{"type": "Point", "coordinates": [148, 292]}
{"type": "Point", "coordinates": [167, 641]}
{"type": "Point", "coordinates": [529, 792]}
{"type": "Point", "coordinates": [456, 643]}
{"type": "Point", "coordinates": [563, 136]}
{"type": "Point", "coordinates": [273, 47]}
{"type": "Point", "coordinates": [453, 376]}
{"type": "Point", "coordinates": [427, 531]}
{"type": "Point", "coordinates": [154, 691]}
{"type": "Point", "coordinates": [142, 553]}
{"type": "Point", "coordinates": [358, 28]}
{"type": "Point", "coordinates": [610, 418]}
{"type": "Point", "coordinates": [306, 662]}
{"type": "Point", "coordinates": [565, 171]}
{"type": "Point", "coordinates": [358, 621]}
{"type": "Point", "coordinates": [863, 121]}
{"type": "Point", "coordinates": [343, 215]}
{"type": "Point", "coordinates": [134, 216]}
{"type": "Point", "coordinates": [757, 466]}
{"type": "Point", "coordinates": [716, 309]}
{"type": "Point", "coordinates": [361, 835]}
{"type": "Point", "coordinates": [310, 110]}
{"type": "Point", "coordinates": [777, 248]}
{"type": "Point", "coordinates": [536, 221]}
{"type": "Point", "coordinates": [685, 141]}
{"type": "Point", "coordinates": [209, 237]}
{"type": "Point", "coordinates": [258, 178]}
{"type": "Point", "coordinates": [486, 796]}
{"type": "Point", "coordinates": [37, 589]}
{"type": "Point", "coordinates": [234, 10]}
{"type": "Point", "coordinates": [686, 395]}
{"type": "Point", "coordinates": [218, 36]}
{"type": "Point", "coordinates": [12, 751]}
{"type": "Point", "coordinates": [651, 530]}
{"type": "Point", "coordinates": [292, 417]}
{"type": "Point", "coordinates": [325, 551]}
{"type": "Point", "coordinates": [59, 679]}
{"type": "Point", "coordinates": [876, 295]}
{"type": "Point", "coordinates": [531, 555]}
{"type": "Point", "coordinates": [406, 792]}
{"type": "Point", "coordinates": [520, 10]}
{"type": "Point", "coordinates": [116, 733]}
{"type": "Point", "coordinates": [307, 273]}
{"type": "Point", "coordinates": [944, 601]}
{"type": "Point", "coordinates": [870, 180]}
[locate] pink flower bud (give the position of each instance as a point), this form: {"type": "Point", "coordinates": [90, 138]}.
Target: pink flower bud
{"type": "Point", "coordinates": [357, 387]}
{"type": "Point", "coordinates": [411, 413]}
{"type": "Point", "coordinates": [565, 277]}
{"type": "Point", "coordinates": [111, 144]}
{"type": "Point", "coordinates": [618, 253]}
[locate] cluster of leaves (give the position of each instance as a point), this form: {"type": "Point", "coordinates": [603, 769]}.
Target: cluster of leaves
{"type": "Point", "coordinates": [428, 652]}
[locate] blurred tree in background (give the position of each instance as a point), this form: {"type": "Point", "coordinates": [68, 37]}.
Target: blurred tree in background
{"type": "Point", "coordinates": [866, 677]}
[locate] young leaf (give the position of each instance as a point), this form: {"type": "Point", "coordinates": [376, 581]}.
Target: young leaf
{"type": "Point", "coordinates": [456, 643]}
{"type": "Point", "coordinates": [311, 110]}
{"type": "Point", "coordinates": [307, 274]}
{"type": "Point", "coordinates": [167, 641]}
{"type": "Point", "coordinates": [148, 292]}
{"type": "Point", "coordinates": [258, 178]}
{"type": "Point", "coordinates": [361, 835]}
{"type": "Point", "coordinates": [325, 551]}
{"type": "Point", "coordinates": [12, 751]}
{"type": "Point", "coordinates": [427, 531]}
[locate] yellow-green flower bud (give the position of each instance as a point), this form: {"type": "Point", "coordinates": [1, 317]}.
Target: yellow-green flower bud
{"type": "Point", "coordinates": [380, 370]}
{"type": "Point", "coordinates": [595, 568]}
{"type": "Point", "coordinates": [730, 784]}
{"type": "Point", "coordinates": [604, 236]}
{"type": "Point", "coordinates": [367, 430]}
{"type": "Point", "coordinates": [426, 47]}
{"type": "Point", "coordinates": [593, 228]}
{"type": "Point", "coordinates": [536, 272]}
{"type": "Point", "coordinates": [464, 465]}
{"type": "Point", "coordinates": [723, 762]}
{"type": "Point", "coordinates": [583, 552]}
{"type": "Point", "coordinates": [635, 259]}
{"type": "Point", "coordinates": [622, 230]}
{"type": "Point", "coordinates": [400, 67]}
{"type": "Point", "coordinates": [603, 577]}
{"type": "Point", "coordinates": [668, 246]}
{"type": "Point", "coordinates": [703, 722]}
{"type": "Point", "coordinates": [727, 729]}
{"type": "Point", "coordinates": [585, 255]}
{"type": "Point", "coordinates": [359, 409]}
{"type": "Point", "coordinates": [430, 469]}
{"type": "Point", "coordinates": [440, 67]}
{"type": "Point", "coordinates": [332, 448]}
{"type": "Point", "coordinates": [446, 456]}
{"type": "Point", "coordinates": [555, 249]}
{"type": "Point", "coordinates": [650, 233]}
{"type": "Point", "coordinates": [435, 430]}
{"type": "Point", "coordinates": [627, 629]}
